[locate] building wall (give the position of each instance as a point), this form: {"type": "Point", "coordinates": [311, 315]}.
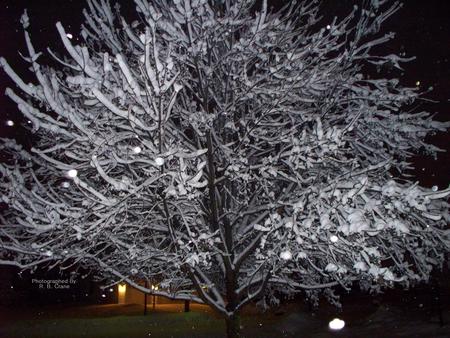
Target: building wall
{"type": "Point", "coordinates": [133, 296]}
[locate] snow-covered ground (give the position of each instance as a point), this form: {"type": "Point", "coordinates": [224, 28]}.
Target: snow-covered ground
{"type": "Point", "coordinates": [401, 315]}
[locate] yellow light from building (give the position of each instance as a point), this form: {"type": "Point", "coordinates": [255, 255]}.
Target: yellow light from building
{"type": "Point", "coordinates": [122, 288]}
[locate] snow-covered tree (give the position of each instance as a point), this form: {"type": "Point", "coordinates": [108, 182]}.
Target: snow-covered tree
{"type": "Point", "coordinates": [224, 150]}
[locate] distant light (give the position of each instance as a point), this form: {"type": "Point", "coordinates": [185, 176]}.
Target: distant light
{"type": "Point", "coordinates": [417, 83]}
{"type": "Point", "coordinates": [103, 295]}
{"type": "Point", "coordinates": [122, 288]}
{"type": "Point", "coordinates": [12, 287]}
{"type": "Point", "coordinates": [334, 238]}
{"type": "Point", "coordinates": [328, 27]}
{"type": "Point", "coordinates": [159, 161]}
{"type": "Point", "coordinates": [65, 184]}
{"type": "Point", "coordinates": [10, 123]}
{"type": "Point", "coordinates": [72, 173]}
{"type": "Point", "coordinates": [336, 324]}
{"type": "Point", "coordinates": [137, 150]}
{"type": "Point", "coordinates": [70, 36]}
{"type": "Point", "coordinates": [286, 255]}
{"type": "Point", "coordinates": [111, 289]}
{"type": "Point", "coordinates": [434, 188]}
{"type": "Point", "coordinates": [29, 122]}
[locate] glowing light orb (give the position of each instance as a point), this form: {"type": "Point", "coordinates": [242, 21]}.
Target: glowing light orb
{"type": "Point", "coordinates": [334, 238]}
{"type": "Point", "coordinates": [65, 184]}
{"type": "Point", "coordinates": [286, 255]}
{"type": "Point", "coordinates": [434, 188]}
{"type": "Point", "coordinates": [417, 83]}
{"type": "Point", "coordinates": [70, 36]}
{"type": "Point", "coordinates": [72, 173]}
{"type": "Point", "coordinates": [336, 324]}
{"type": "Point", "coordinates": [10, 123]}
{"type": "Point", "coordinates": [137, 150]}
{"type": "Point", "coordinates": [159, 161]}
{"type": "Point", "coordinates": [328, 27]}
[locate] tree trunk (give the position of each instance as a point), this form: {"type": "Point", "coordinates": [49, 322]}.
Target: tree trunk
{"type": "Point", "coordinates": [145, 298]}
{"type": "Point", "coordinates": [233, 324]}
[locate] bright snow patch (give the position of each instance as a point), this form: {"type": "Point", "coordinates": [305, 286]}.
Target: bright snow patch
{"type": "Point", "coordinates": [286, 255]}
{"type": "Point", "coordinates": [48, 253]}
{"type": "Point", "coordinates": [177, 87]}
{"type": "Point", "coordinates": [65, 184]}
{"type": "Point", "coordinates": [331, 267]}
{"type": "Point", "coordinates": [360, 266]}
{"type": "Point", "coordinates": [434, 188]}
{"type": "Point", "coordinates": [336, 324]}
{"type": "Point", "coordinates": [72, 173]}
{"type": "Point", "coordinates": [25, 20]}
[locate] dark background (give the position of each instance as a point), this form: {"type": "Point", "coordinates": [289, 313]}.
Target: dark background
{"type": "Point", "coordinates": [422, 30]}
